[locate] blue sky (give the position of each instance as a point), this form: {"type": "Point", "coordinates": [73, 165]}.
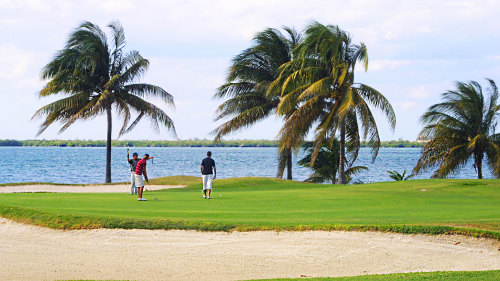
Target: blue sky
{"type": "Point", "coordinates": [417, 49]}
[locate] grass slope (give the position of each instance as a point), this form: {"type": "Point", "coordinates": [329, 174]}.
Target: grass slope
{"type": "Point", "coordinates": [435, 276]}
{"type": "Point", "coordinates": [440, 206]}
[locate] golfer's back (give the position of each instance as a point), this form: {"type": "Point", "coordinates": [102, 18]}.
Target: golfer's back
{"type": "Point", "coordinates": [208, 163]}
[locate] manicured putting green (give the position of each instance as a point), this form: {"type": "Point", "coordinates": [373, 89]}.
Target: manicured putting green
{"type": "Point", "coordinates": [417, 206]}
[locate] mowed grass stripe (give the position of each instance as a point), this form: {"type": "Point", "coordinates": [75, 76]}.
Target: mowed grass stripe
{"type": "Point", "coordinates": [417, 206]}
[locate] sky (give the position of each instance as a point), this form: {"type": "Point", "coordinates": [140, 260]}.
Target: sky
{"type": "Point", "coordinates": [417, 50]}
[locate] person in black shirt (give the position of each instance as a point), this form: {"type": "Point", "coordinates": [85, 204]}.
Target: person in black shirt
{"type": "Point", "coordinates": [208, 174]}
{"type": "Point", "coordinates": [133, 163]}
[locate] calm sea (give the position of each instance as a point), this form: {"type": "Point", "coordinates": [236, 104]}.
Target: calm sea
{"type": "Point", "coordinates": [87, 165]}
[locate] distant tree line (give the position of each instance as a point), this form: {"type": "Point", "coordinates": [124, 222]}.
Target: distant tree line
{"type": "Point", "coordinates": [177, 143]}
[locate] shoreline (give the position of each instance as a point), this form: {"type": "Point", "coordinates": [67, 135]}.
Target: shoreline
{"type": "Point", "coordinates": [181, 143]}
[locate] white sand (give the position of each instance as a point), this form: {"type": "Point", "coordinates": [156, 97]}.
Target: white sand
{"type": "Point", "coordinates": [115, 188]}
{"type": "Point", "coordinates": [36, 253]}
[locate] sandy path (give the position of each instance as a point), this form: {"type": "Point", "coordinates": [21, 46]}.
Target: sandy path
{"type": "Point", "coordinates": [36, 253]}
{"type": "Point", "coordinates": [115, 188]}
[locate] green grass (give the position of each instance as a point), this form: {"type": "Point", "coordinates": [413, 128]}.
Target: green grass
{"type": "Point", "coordinates": [435, 276]}
{"type": "Point", "coordinates": [176, 180]}
{"type": "Point", "coordinates": [468, 207]}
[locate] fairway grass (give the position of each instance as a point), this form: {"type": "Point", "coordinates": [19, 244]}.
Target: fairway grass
{"type": "Point", "coordinates": [490, 275]}
{"type": "Point", "coordinates": [437, 206]}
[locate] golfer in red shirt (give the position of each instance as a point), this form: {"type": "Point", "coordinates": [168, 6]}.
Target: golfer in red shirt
{"type": "Point", "coordinates": [139, 171]}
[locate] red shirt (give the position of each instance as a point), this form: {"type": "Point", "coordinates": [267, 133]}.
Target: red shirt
{"type": "Point", "coordinates": [140, 166]}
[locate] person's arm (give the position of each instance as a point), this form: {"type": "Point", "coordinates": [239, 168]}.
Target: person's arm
{"type": "Point", "coordinates": [128, 159]}
{"type": "Point", "coordinates": [145, 174]}
{"type": "Point", "coordinates": [215, 172]}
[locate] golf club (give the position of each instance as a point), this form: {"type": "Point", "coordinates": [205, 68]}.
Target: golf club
{"type": "Point", "coordinates": [152, 193]}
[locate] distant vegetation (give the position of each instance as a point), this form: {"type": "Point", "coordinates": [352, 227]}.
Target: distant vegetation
{"type": "Point", "coordinates": [177, 143]}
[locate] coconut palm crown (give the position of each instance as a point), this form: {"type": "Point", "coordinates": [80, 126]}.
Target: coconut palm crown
{"type": "Point", "coordinates": [97, 77]}
{"type": "Point", "coordinates": [319, 84]}
{"type": "Point", "coordinates": [251, 73]}
{"type": "Point", "coordinates": [460, 128]}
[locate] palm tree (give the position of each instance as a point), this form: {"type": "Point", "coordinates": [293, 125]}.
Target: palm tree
{"type": "Point", "coordinates": [462, 127]}
{"type": "Point", "coordinates": [400, 177]}
{"type": "Point", "coordinates": [249, 77]}
{"type": "Point", "coordinates": [326, 165]}
{"type": "Point", "coordinates": [319, 83]}
{"type": "Point", "coordinates": [97, 78]}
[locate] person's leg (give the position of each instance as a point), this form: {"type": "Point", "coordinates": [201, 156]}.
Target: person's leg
{"type": "Point", "coordinates": [209, 184]}
{"type": "Point", "coordinates": [132, 183]}
{"type": "Point", "coordinates": [139, 183]}
{"type": "Point", "coordinates": [204, 180]}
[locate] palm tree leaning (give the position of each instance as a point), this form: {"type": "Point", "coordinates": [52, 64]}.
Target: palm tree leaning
{"type": "Point", "coordinates": [460, 128]}
{"type": "Point", "coordinates": [97, 78]}
{"type": "Point", "coordinates": [325, 168]}
{"type": "Point", "coordinates": [249, 77]}
{"type": "Point", "coordinates": [319, 84]}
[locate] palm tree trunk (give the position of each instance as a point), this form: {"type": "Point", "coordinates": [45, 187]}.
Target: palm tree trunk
{"type": "Point", "coordinates": [108, 145]}
{"type": "Point", "coordinates": [289, 164]}
{"type": "Point", "coordinates": [341, 179]}
{"type": "Point", "coordinates": [479, 165]}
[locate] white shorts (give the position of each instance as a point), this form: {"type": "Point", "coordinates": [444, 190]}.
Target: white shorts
{"type": "Point", "coordinates": [139, 181]}
{"type": "Point", "coordinates": [207, 181]}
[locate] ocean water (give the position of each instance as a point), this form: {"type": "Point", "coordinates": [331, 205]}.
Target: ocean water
{"type": "Point", "coordinates": [87, 164]}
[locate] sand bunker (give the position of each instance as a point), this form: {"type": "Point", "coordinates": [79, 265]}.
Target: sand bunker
{"type": "Point", "coordinates": [36, 253]}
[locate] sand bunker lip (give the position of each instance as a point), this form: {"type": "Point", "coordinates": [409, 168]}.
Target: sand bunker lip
{"type": "Point", "coordinates": [37, 253]}
{"type": "Point", "coordinates": [113, 188]}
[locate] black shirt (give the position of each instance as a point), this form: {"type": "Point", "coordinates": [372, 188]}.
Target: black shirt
{"type": "Point", "coordinates": [133, 164]}
{"type": "Point", "coordinates": [207, 164]}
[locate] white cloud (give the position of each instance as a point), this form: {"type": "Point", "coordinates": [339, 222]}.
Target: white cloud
{"type": "Point", "coordinates": [420, 92]}
{"type": "Point", "coordinates": [15, 62]}
{"type": "Point", "coordinates": [407, 104]}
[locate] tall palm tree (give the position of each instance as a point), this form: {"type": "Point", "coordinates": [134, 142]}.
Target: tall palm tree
{"type": "Point", "coordinates": [96, 78]}
{"type": "Point", "coordinates": [319, 83]}
{"type": "Point", "coordinates": [326, 166]}
{"type": "Point", "coordinates": [462, 127]}
{"type": "Point", "coordinates": [250, 74]}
